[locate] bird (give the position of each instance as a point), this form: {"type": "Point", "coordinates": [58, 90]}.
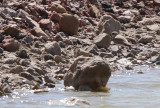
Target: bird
{"type": "Point", "coordinates": [120, 40]}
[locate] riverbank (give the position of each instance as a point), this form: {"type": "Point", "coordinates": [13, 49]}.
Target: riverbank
{"type": "Point", "coordinates": [39, 41]}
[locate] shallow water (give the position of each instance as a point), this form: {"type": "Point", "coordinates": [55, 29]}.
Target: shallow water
{"type": "Point", "coordinates": [127, 90]}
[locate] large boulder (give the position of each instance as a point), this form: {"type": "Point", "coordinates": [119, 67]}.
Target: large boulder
{"type": "Point", "coordinates": [53, 48]}
{"type": "Point", "coordinates": [102, 40]}
{"type": "Point", "coordinates": [88, 72]}
{"type": "Point", "coordinates": [69, 23]}
{"type": "Point", "coordinates": [107, 25]}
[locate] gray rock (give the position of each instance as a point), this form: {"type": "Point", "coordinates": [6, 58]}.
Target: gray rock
{"type": "Point", "coordinates": [16, 70]}
{"type": "Point", "coordinates": [53, 48]}
{"type": "Point", "coordinates": [145, 39]}
{"type": "Point", "coordinates": [22, 54]}
{"type": "Point", "coordinates": [87, 71]}
{"type": "Point", "coordinates": [48, 57]}
{"type": "Point", "coordinates": [25, 62]}
{"type": "Point", "coordinates": [10, 12]}
{"type": "Point", "coordinates": [1, 50]}
{"type": "Point", "coordinates": [102, 40]}
{"type": "Point", "coordinates": [36, 50]}
{"type": "Point", "coordinates": [107, 25]}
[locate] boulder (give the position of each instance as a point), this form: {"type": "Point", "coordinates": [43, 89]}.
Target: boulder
{"type": "Point", "coordinates": [108, 24]}
{"type": "Point", "coordinates": [90, 72]}
{"type": "Point", "coordinates": [58, 8]}
{"type": "Point", "coordinates": [11, 44]}
{"type": "Point", "coordinates": [69, 24]}
{"type": "Point", "coordinates": [102, 40]}
{"type": "Point", "coordinates": [53, 48]}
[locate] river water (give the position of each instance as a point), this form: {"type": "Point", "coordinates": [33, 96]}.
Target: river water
{"type": "Point", "coordinates": [128, 89]}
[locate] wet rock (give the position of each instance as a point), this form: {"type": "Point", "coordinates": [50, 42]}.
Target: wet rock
{"type": "Point", "coordinates": [102, 40]}
{"type": "Point", "coordinates": [48, 57]}
{"type": "Point", "coordinates": [53, 48]}
{"type": "Point", "coordinates": [146, 39]}
{"type": "Point", "coordinates": [23, 54]}
{"type": "Point", "coordinates": [58, 8]}
{"type": "Point", "coordinates": [16, 70]}
{"type": "Point", "coordinates": [69, 24]}
{"type": "Point", "coordinates": [108, 24]}
{"type": "Point", "coordinates": [87, 71]}
{"type": "Point", "coordinates": [11, 44]}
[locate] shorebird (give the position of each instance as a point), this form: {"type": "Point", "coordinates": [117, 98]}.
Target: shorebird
{"type": "Point", "coordinates": [120, 40]}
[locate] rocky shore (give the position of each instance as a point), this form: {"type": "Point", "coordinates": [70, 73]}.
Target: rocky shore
{"type": "Point", "coordinates": [80, 41]}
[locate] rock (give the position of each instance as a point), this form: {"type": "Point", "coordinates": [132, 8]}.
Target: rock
{"type": "Point", "coordinates": [102, 40]}
{"type": "Point", "coordinates": [58, 8]}
{"type": "Point", "coordinates": [12, 31]}
{"type": "Point", "coordinates": [23, 54]}
{"type": "Point", "coordinates": [80, 52]}
{"type": "Point", "coordinates": [49, 79]}
{"type": "Point", "coordinates": [10, 12]}
{"type": "Point", "coordinates": [55, 17]}
{"type": "Point", "coordinates": [28, 39]}
{"type": "Point", "coordinates": [48, 57]}
{"type": "Point", "coordinates": [69, 24]}
{"type": "Point", "coordinates": [24, 62]}
{"type": "Point", "coordinates": [53, 48]}
{"type": "Point", "coordinates": [1, 50]}
{"type": "Point", "coordinates": [46, 23]}
{"type": "Point", "coordinates": [27, 76]}
{"type": "Point", "coordinates": [16, 70]}
{"type": "Point", "coordinates": [87, 71]}
{"type": "Point", "coordinates": [153, 27]}
{"type": "Point", "coordinates": [58, 58]}
{"type": "Point", "coordinates": [93, 11]}
{"type": "Point", "coordinates": [92, 49]}
{"type": "Point", "coordinates": [1, 37]}
{"type": "Point", "coordinates": [39, 32]}
{"type": "Point", "coordinates": [5, 88]}
{"type": "Point", "coordinates": [108, 24]}
{"type": "Point", "coordinates": [36, 50]}
{"type": "Point", "coordinates": [145, 39]}
{"type": "Point", "coordinates": [11, 44]}
{"type": "Point", "coordinates": [10, 61]}
{"type": "Point", "coordinates": [32, 71]}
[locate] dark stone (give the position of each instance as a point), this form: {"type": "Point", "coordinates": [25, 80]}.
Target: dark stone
{"type": "Point", "coordinates": [22, 54]}
{"type": "Point", "coordinates": [48, 57]}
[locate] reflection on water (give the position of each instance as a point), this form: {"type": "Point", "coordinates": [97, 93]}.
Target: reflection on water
{"type": "Point", "coordinates": [127, 90]}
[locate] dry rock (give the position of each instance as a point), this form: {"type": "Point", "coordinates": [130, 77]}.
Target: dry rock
{"type": "Point", "coordinates": [58, 8]}
{"type": "Point", "coordinates": [69, 24]}
{"type": "Point", "coordinates": [145, 39]}
{"type": "Point", "coordinates": [11, 44]}
{"type": "Point", "coordinates": [87, 71]}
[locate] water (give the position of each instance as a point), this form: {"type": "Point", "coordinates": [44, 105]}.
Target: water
{"type": "Point", "coordinates": [127, 90]}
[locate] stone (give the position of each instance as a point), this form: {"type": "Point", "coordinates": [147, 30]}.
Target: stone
{"type": "Point", "coordinates": [53, 48]}
{"type": "Point", "coordinates": [16, 70]}
{"type": "Point", "coordinates": [69, 24]}
{"type": "Point", "coordinates": [36, 50]}
{"type": "Point", "coordinates": [102, 40]}
{"type": "Point", "coordinates": [153, 27]}
{"type": "Point", "coordinates": [146, 39]}
{"type": "Point", "coordinates": [24, 62]}
{"type": "Point", "coordinates": [11, 44]}
{"type": "Point", "coordinates": [108, 24]}
{"type": "Point", "coordinates": [23, 54]}
{"type": "Point", "coordinates": [10, 61]}
{"type": "Point", "coordinates": [12, 31]}
{"type": "Point", "coordinates": [58, 59]}
{"type": "Point", "coordinates": [46, 23]}
{"type": "Point", "coordinates": [39, 32]}
{"type": "Point", "coordinates": [10, 12]}
{"type": "Point", "coordinates": [88, 71]}
{"type": "Point", "coordinates": [27, 75]}
{"type": "Point", "coordinates": [55, 17]}
{"type": "Point", "coordinates": [80, 52]}
{"type": "Point", "coordinates": [1, 37]}
{"type": "Point", "coordinates": [48, 57]}
{"type": "Point", "coordinates": [58, 8]}
{"type": "Point", "coordinates": [94, 11]}
{"type": "Point", "coordinates": [32, 71]}
{"type": "Point", "coordinates": [1, 50]}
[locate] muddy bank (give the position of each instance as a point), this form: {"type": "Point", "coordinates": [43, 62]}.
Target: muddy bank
{"type": "Point", "coordinates": [40, 40]}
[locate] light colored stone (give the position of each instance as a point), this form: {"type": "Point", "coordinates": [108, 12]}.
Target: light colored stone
{"type": "Point", "coordinates": [58, 8]}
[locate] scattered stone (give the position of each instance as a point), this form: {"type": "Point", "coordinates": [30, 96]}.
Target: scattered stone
{"type": "Point", "coordinates": [58, 8]}
{"type": "Point", "coordinates": [102, 40]}
{"type": "Point", "coordinates": [16, 70]}
{"type": "Point", "coordinates": [12, 31]}
{"type": "Point", "coordinates": [87, 71]}
{"type": "Point", "coordinates": [24, 62]}
{"type": "Point", "coordinates": [1, 50]}
{"type": "Point", "coordinates": [48, 57]}
{"type": "Point", "coordinates": [53, 48]}
{"type": "Point", "coordinates": [69, 24]}
{"type": "Point", "coordinates": [11, 44]}
{"type": "Point", "coordinates": [23, 54]}
{"type": "Point", "coordinates": [58, 58]}
{"type": "Point", "coordinates": [46, 23]}
{"type": "Point", "coordinates": [108, 24]}
{"type": "Point", "coordinates": [146, 39]}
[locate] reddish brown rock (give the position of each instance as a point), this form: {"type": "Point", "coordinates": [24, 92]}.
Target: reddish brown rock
{"type": "Point", "coordinates": [46, 23]}
{"type": "Point", "coordinates": [55, 17]}
{"type": "Point", "coordinates": [69, 24]}
{"type": "Point", "coordinates": [11, 44]}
